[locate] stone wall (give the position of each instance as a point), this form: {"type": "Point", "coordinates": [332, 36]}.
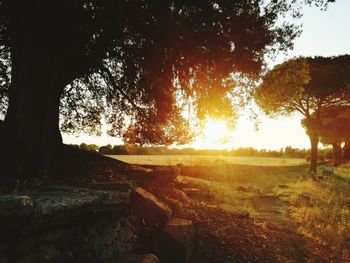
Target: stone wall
{"type": "Point", "coordinates": [104, 222]}
{"type": "Point", "coordinates": [64, 224]}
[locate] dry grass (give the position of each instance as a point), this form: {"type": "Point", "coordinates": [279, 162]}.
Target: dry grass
{"type": "Point", "coordinates": [236, 188]}
{"type": "Point", "coordinates": [322, 211]}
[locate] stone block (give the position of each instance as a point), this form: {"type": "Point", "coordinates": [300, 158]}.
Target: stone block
{"type": "Point", "coordinates": [112, 186]}
{"type": "Point", "coordinates": [12, 205]}
{"type": "Point", "coordinates": [174, 242]}
{"type": "Point", "coordinates": [166, 173]}
{"type": "Point", "coordinates": [14, 211]}
{"type": "Point", "coordinates": [148, 208]}
{"type": "Point", "coordinates": [192, 192]}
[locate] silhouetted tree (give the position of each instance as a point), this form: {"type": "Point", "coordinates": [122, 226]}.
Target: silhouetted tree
{"type": "Point", "coordinates": [107, 149]}
{"type": "Point", "coordinates": [89, 147]}
{"type": "Point", "coordinates": [127, 61]}
{"type": "Point", "coordinates": [307, 86]}
{"type": "Point", "coordinates": [335, 130]}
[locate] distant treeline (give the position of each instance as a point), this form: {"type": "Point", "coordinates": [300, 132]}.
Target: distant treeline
{"type": "Point", "coordinates": [288, 152]}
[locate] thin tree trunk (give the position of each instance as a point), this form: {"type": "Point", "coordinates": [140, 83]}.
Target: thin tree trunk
{"type": "Point", "coordinates": [314, 152]}
{"type": "Point", "coordinates": [346, 152]}
{"type": "Point", "coordinates": [336, 154]}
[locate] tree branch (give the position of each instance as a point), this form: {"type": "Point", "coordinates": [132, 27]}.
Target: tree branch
{"type": "Point", "coordinates": [108, 76]}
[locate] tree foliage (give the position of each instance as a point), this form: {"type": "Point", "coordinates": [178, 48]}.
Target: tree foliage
{"type": "Point", "coordinates": [334, 130]}
{"type": "Point", "coordinates": [335, 125]}
{"type": "Point", "coordinates": [305, 85]}
{"type": "Point", "coordinates": [127, 63]}
{"type": "Point", "coordinates": [310, 86]}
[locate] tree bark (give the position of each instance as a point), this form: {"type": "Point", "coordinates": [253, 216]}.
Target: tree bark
{"type": "Point", "coordinates": [31, 130]}
{"type": "Point", "coordinates": [337, 158]}
{"type": "Point", "coordinates": [314, 152]}
{"type": "Point", "coordinates": [31, 134]}
{"type": "Point", "coordinates": [46, 56]}
{"type": "Point", "coordinates": [346, 152]}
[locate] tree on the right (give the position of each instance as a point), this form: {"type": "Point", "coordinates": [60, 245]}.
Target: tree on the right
{"type": "Point", "coordinates": [334, 130]}
{"type": "Point", "coordinates": [308, 86]}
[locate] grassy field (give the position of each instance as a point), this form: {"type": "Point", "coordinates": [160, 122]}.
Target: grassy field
{"type": "Point", "coordinates": [206, 160]}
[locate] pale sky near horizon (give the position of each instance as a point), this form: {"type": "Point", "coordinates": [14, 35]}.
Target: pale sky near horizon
{"type": "Point", "coordinates": [325, 33]}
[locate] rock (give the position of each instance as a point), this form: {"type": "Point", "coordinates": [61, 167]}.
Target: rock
{"type": "Point", "coordinates": [112, 186]}
{"type": "Point", "coordinates": [166, 173]}
{"type": "Point", "coordinates": [12, 205]}
{"type": "Point", "coordinates": [126, 232]}
{"type": "Point", "coordinates": [115, 197]}
{"type": "Point", "coordinates": [243, 214]}
{"type": "Point", "coordinates": [192, 192]}
{"type": "Point", "coordinates": [139, 168]}
{"type": "Point", "coordinates": [182, 184]}
{"type": "Point", "coordinates": [114, 193]}
{"type": "Point", "coordinates": [148, 208]}
{"type": "Point", "coordinates": [132, 258]}
{"type": "Point", "coordinates": [56, 202]}
{"type": "Point", "coordinates": [60, 205]}
{"type": "Point", "coordinates": [174, 204]}
{"type": "Point", "coordinates": [14, 211]}
{"type": "Point", "coordinates": [174, 242]}
{"type": "Point", "coordinates": [233, 210]}
{"type": "Point", "coordinates": [181, 196]}
{"type": "Point", "coordinates": [65, 224]}
{"type": "Point", "coordinates": [242, 189]}
{"type": "Point", "coordinates": [283, 186]}
{"type": "Point", "coordinates": [53, 208]}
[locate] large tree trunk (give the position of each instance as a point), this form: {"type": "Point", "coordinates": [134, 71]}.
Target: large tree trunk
{"type": "Point", "coordinates": [31, 130]}
{"type": "Point", "coordinates": [337, 154]}
{"type": "Point", "coordinates": [314, 151]}
{"type": "Point", "coordinates": [46, 56]}
{"type": "Point", "coordinates": [31, 133]}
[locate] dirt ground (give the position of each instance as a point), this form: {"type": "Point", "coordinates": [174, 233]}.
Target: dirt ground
{"type": "Point", "coordinates": [226, 236]}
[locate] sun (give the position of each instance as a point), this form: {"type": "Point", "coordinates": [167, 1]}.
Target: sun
{"type": "Point", "coordinates": [215, 134]}
{"type": "Point", "coordinates": [215, 130]}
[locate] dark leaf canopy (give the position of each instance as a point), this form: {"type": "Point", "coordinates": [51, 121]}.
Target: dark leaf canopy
{"type": "Point", "coordinates": [136, 63]}
{"type": "Point", "coordinates": [329, 75]}
{"type": "Point", "coordinates": [305, 85]}
{"type": "Point", "coordinates": [335, 125]}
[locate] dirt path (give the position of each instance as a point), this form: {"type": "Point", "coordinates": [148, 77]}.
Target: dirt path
{"type": "Point", "coordinates": [227, 236]}
{"type": "Point", "coordinates": [270, 208]}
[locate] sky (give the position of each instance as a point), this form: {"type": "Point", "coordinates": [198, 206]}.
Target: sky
{"type": "Point", "coordinates": [325, 33]}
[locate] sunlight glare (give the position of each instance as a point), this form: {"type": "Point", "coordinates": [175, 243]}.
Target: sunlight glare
{"type": "Point", "coordinates": [214, 135]}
